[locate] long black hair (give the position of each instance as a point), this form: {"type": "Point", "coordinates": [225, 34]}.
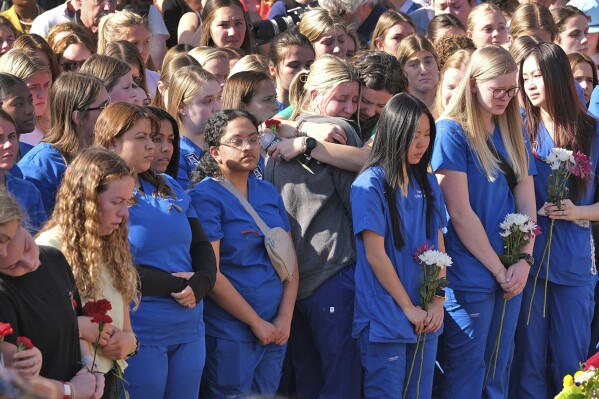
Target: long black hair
{"type": "Point", "coordinates": [173, 165]}
{"type": "Point", "coordinates": [395, 133]}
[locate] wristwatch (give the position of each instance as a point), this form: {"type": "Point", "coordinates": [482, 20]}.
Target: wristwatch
{"type": "Point", "coordinates": [310, 145]}
{"type": "Point", "coordinates": [67, 390]}
{"type": "Point", "coordinates": [528, 258]}
{"type": "Point", "coordinates": [440, 292]}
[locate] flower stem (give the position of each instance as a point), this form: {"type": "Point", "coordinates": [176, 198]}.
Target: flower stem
{"type": "Point", "coordinates": [547, 268]}
{"type": "Point", "coordinates": [421, 362]}
{"type": "Point", "coordinates": [546, 252]}
{"type": "Point", "coordinates": [405, 391]}
{"type": "Point", "coordinates": [495, 353]}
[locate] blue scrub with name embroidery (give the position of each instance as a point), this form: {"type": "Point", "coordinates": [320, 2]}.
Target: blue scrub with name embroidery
{"type": "Point", "coordinates": [386, 337]}
{"type": "Point", "coordinates": [172, 347]}
{"type": "Point", "coordinates": [475, 300]}
{"type": "Point", "coordinates": [44, 166]}
{"type": "Point", "coordinates": [565, 330]}
{"type": "Point", "coordinates": [30, 200]}
{"type": "Point", "coordinates": [236, 362]}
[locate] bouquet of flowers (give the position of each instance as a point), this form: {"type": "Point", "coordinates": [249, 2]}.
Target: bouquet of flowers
{"type": "Point", "coordinates": [431, 262]}
{"type": "Point", "coordinates": [517, 231]}
{"type": "Point", "coordinates": [584, 384]}
{"type": "Point", "coordinates": [563, 165]}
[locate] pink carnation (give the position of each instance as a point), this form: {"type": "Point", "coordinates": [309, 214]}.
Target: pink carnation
{"type": "Point", "coordinates": [582, 165]}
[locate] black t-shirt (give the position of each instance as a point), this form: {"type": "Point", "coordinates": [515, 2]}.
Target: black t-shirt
{"type": "Point", "coordinates": [38, 306]}
{"type": "Point", "coordinates": [172, 11]}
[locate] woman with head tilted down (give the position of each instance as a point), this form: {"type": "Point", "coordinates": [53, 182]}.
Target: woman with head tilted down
{"type": "Point", "coordinates": [174, 259]}
{"type": "Point", "coordinates": [479, 136]}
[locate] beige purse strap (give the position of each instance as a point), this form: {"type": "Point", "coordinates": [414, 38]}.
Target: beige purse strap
{"type": "Point", "coordinates": [248, 207]}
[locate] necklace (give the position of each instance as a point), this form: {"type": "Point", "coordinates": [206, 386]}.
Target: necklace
{"type": "Point", "coordinates": [30, 23]}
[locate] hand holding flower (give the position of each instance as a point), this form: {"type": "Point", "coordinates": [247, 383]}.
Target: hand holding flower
{"type": "Point", "coordinates": [516, 275]}
{"type": "Point", "coordinates": [287, 149]}
{"type": "Point", "coordinates": [88, 384]}
{"type": "Point", "coordinates": [27, 362]}
{"type": "Point", "coordinates": [434, 318]}
{"type": "Point", "coordinates": [566, 211]}
{"type": "Point", "coordinates": [327, 132]}
{"type": "Point", "coordinates": [89, 330]}
{"type": "Point", "coordinates": [417, 316]}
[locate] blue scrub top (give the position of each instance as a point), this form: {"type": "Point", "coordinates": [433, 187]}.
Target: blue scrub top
{"type": "Point", "coordinates": [571, 250]}
{"type": "Point", "coordinates": [189, 158]}
{"type": "Point", "coordinates": [374, 306]}
{"type": "Point", "coordinates": [44, 166]}
{"type": "Point", "coordinates": [491, 201]}
{"type": "Point", "coordinates": [160, 237]}
{"type": "Point", "coordinates": [243, 257]}
{"type": "Point", "coordinates": [30, 200]}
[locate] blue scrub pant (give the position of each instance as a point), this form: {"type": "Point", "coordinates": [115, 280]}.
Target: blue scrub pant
{"type": "Point", "coordinates": [549, 348]}
{"type": "Point", "coordinates": [169, 371]}
{"type": "Point", "coordinates": [234, 369]}
{"type": "Point", "coordinates": [471, 325]}
{"type": "Point", "coordinates": [387, 367]}
{"type": "Point", "coordinates": [323, 353]}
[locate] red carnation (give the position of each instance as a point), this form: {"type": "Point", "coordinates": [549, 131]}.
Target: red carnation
{"type": "Point", "coordinates": [96, 307]}
{"type": "Point", "coordinates": [272, 124]}
{"type": "Point", "coordinates": [101, 318]}
{"type": "Point", "coordinates": [593, 361]}
{"type": "Point", "coordinates": [23, 343]}
{"type": "Point", "coordinates": [5, 329]}
{"type": "Point", "coordinates": [420, 250]}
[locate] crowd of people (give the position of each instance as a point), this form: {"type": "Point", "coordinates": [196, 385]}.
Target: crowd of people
{"type": "Point", "coordinates": [146, 148]}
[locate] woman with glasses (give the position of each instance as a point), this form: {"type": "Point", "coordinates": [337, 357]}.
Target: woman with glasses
{"type": "Point", "coordinates": [175, 261]}
{"type": "Point", "coordinates": [484, 166]}
{"type": "Point", "coordinates": [248, 314]}
{"type": "Point", "coordinates": [562, 327]}
{"type": "Point", "coordinates": [73, 50]}
{"type": "Point", "coordinates": [77, 100]}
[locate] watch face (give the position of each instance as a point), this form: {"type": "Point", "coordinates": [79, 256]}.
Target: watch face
{"type": "Point", "coordinates": [310, 143]}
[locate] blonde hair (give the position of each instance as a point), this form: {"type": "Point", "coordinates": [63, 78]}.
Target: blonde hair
{"type": "Point", "coordinates": [318, 21]}
{"type": "Point", "coordinates": [184, 85]}
{"type": "Point", "coordinates": [9, 208]}
{"type": "Point", "coordinates": [252, 62]}
{"type": "Point", "coordinates": [168, 70]}
{"type": "Point", "coordinates": [113, 27]}
{"type": "Point", "coordinates": [459, 60]}
{"type": "Point", "coordinates": [108, 69]}
{"type": "Point", "coordinates": [532, 16]}
{"type": "Point", "coordinates": [388, 20]}
{"type": "Point", "coordinates": [479, 11]}
{"type": "Point", "coordinates": [77, 214]}
{"type": "Point", "coordinates": [486, 63]}
{"type": "Point", "coordinates": [23, 63]}
{"type": "Point", "coordinates": [205, 54]}
{"type": "Point", "coordinates": [326, 73]}
{"type": "Point", "coordinates": [59, 31]}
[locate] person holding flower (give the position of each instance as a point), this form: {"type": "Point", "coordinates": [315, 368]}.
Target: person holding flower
{"type": "Point", "coordinates": [40, 301]}
{"type": "Point", "coordinates": [175, 260]}
{"type": "Point", "coordinates": [484, 167]}
{"type": "Point", "coordinates": [396, 207]}
{"type": "Point", "coordinates": [88, 226]}
{"type": "Point", "coordinates": [556, 317]}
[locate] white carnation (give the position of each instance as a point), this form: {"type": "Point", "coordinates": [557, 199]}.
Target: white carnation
{"type": "Point", "coordinates": [435, 258]}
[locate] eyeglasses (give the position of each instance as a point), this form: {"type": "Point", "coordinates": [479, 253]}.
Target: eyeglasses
{"type": "Point", "coordinates": [501, 93]}
{"type": "Point", "coordinates": [71, 66]}
{"type": "Point", "coordinates": [238, 142]}
{"type": "Point", "coordinates": [99, 107]}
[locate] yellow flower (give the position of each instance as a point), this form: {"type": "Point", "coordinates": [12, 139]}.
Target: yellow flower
{"type": "Point", "coordinates": [578, 375]}
{"type": "Point", "coordinates": [568, 381]}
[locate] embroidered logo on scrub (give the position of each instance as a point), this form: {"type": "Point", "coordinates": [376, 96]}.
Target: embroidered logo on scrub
{"type": "Point", "coordinates": [192, 159]}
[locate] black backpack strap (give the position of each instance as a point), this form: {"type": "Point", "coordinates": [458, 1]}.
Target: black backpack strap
{"type": "Point", "coordinates": [505, 167]}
